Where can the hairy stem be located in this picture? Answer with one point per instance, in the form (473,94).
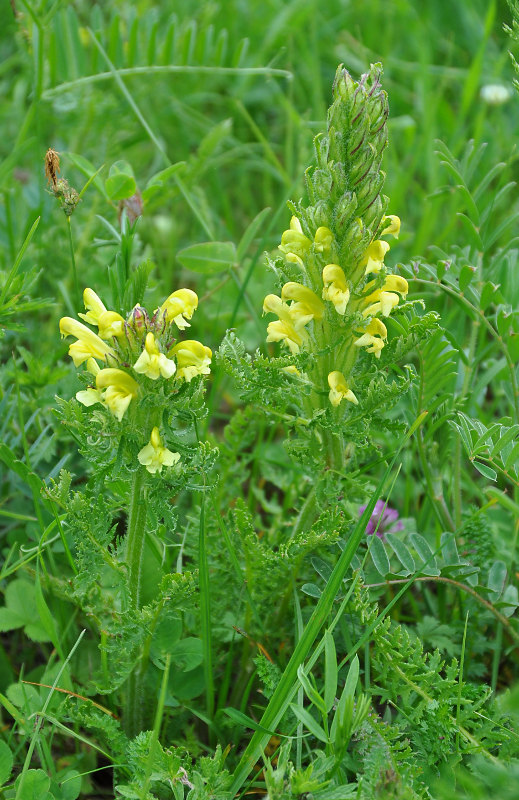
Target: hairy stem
(135,710)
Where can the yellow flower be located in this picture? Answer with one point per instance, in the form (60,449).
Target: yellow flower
(88,343)
(395,283)
(289,329)
(335,287)
(193,358)
(339,389)
(373,337)
(291,370)
(373,258)
(152,362)
(179,307)
(154,455)
(381,301)
(90,396)
(110,324)
(393,227)
(294,242)
(120,389)
(385,299)
(94,306)
(307,305)
(284,330)
(323,239)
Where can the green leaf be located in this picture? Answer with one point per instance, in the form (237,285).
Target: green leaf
(466,275)
(379,555)
(401,551)
(428,567)
(250,233)
(309,722)
(120,187)
(312,693)
(21,610)
(507,436)
(70,785)
(35,784)
(450,553)
(187,654)
(471,232)
(330,671)
(345,706)
(496,579)
(208,257)
(6,763)
(242,719)
(485,470)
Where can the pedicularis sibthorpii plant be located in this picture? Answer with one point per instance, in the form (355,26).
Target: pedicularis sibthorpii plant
(141,375)
(194,581)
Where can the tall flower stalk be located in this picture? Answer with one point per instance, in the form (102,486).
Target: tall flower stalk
(336,291)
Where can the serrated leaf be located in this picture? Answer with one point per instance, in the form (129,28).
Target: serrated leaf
(379,555)
(485,470)
(208,258)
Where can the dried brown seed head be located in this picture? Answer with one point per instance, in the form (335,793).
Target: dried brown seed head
(51,165)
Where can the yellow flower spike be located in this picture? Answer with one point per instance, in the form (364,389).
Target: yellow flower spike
(193,358)
(393,227)
(294,242)
(179,307)
(152,362)
(335,287)
(339,389)
(323,239)
(94,306)
(110,324)
(88,345)
(284,330)
(306,305)
(373,258)
(154,455)
(120,389)
(373,337)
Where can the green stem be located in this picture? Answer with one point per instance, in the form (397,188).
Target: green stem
(134,715)
(77,296)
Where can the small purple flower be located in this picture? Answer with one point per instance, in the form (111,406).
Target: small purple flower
(383,520)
